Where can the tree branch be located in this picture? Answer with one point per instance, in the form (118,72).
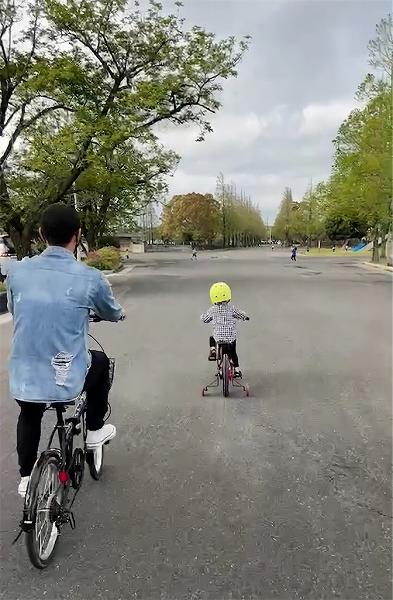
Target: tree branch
(11,116)
(111,54)
(4,53)
(85,42)
(23,125)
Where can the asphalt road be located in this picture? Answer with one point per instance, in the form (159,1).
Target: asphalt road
(286,494)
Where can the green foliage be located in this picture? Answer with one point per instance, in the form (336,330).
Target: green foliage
(87,107)
(191,217)
(286,225)
(344,227)
(357,198)
(241,221)
(362,171)
(105,259)
(108,240)
(2,287)
(381,48)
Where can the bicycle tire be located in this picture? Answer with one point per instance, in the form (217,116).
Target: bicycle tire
(95,466)
(225,375)
(50,499)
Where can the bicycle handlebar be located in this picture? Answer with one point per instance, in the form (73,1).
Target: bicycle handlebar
(93,318)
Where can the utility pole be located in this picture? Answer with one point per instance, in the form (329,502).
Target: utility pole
(309,241)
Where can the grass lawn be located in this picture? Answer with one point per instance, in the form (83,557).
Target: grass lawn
(338,252)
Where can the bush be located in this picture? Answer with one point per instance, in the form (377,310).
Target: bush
(104,259)
(108,240)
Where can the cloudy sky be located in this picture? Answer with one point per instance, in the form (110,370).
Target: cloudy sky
(295,86)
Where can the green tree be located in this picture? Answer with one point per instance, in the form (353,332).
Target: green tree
(241,221)
(284,227)
(122,71)
(362,171)
(381,48)
(28,94)
(308,218)
(191,217)
(118,180)
(361,183)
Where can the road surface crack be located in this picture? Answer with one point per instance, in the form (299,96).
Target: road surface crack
(373,509)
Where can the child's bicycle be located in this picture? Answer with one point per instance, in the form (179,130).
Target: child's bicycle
(57,477)
(225,374)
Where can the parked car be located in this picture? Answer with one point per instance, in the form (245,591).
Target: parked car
(6,247)
(7,253)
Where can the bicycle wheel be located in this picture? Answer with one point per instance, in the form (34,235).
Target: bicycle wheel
(95,461)
(43,501)
(225,375)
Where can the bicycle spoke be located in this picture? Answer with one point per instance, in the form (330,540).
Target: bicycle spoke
(44,528)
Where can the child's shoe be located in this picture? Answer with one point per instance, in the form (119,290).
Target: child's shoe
(212,354)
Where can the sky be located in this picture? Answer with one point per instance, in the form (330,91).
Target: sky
(296,84)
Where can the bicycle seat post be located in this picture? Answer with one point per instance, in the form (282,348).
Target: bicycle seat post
(59,413)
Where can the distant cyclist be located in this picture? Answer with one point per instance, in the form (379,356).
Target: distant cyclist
(223,315)
(49,297)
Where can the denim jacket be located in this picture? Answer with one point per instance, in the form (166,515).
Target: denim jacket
(50,297)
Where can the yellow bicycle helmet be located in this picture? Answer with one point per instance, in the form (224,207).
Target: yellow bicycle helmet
(220,292)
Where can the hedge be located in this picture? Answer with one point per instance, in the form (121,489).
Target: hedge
(105,259)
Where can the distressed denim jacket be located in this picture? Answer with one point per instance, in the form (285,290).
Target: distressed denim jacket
(50,297)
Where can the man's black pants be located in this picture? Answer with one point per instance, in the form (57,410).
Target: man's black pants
(29,422)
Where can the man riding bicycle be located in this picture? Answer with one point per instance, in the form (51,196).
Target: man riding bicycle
(50,297)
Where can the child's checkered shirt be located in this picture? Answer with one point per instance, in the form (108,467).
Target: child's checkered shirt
(223,317)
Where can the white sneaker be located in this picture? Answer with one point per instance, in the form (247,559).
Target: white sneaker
(22,487)
(99,437)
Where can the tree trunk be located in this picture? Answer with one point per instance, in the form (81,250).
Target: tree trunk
(91,236)
(20,235)
(375,257)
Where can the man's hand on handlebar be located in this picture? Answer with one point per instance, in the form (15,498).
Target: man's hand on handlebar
(93,318)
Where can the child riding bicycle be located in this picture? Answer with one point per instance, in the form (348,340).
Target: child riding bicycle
(223,316)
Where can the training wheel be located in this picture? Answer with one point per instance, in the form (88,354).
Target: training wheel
(203,391)
(247,389)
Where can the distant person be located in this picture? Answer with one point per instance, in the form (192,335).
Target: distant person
(194,254)
(346,247)
(272,247)
(223,316)
(334,248)
(293,253)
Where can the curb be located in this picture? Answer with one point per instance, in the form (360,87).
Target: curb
(121,272)
(5,318)
(379,266)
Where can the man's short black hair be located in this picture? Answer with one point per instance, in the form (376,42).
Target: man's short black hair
(59,223)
